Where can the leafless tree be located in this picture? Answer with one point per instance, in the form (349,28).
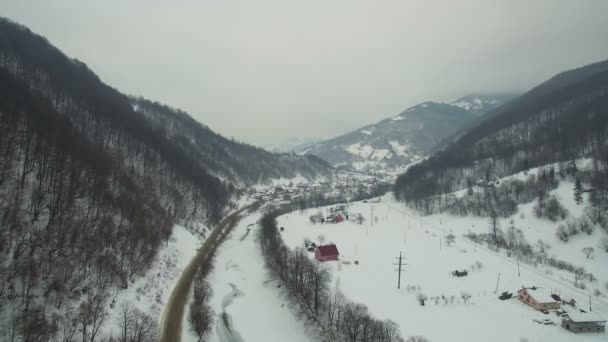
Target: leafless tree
(588,251)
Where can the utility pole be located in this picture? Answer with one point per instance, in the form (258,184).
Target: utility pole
(518,273)
(399,269)
(497,282)
(372,208)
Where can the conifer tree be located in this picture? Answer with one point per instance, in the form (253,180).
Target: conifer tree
(578,191)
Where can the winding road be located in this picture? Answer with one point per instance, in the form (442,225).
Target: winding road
(173,313)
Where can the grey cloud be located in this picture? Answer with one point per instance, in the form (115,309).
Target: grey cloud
(263,71)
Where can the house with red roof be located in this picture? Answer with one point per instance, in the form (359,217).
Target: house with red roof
(326,253)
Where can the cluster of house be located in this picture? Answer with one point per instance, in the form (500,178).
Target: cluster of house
(337,214)
(341,182)
(574,320)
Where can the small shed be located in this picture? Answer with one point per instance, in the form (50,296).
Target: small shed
(458,273)
(327,253)
(537,298)
(583,322)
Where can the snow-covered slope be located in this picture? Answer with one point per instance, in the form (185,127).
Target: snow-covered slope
(404,138)
(446,316)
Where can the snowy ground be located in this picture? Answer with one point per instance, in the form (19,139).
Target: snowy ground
(429,264)
(150,293)
(254,307)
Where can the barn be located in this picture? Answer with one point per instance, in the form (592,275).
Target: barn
(326,253)
(537,298)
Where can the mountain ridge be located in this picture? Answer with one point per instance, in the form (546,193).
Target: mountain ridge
(403,138)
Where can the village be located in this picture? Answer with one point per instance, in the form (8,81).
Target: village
(424,275)
(344,183)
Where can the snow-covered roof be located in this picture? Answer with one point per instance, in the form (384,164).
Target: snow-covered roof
(541,295)
(578,316)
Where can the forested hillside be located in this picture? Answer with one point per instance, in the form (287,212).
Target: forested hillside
(561,120)
(90,188)
(240,163)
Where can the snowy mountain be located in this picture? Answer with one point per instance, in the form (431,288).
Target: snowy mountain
(561,119)
(480,104)
(291,145)
(404,138)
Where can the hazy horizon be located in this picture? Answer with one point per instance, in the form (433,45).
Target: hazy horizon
(270,71)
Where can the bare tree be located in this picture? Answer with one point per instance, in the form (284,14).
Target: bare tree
(450,239)
(124,320)
(465,296)
(588,251)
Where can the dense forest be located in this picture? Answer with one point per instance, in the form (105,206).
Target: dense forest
(560,121)
(90,189)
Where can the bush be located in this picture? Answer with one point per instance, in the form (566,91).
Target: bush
(573,227)
(549,207)
(421,299)
(584,225)
(562,233)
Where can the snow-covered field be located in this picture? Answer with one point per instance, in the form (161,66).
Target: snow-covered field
(252,302)
(430,262)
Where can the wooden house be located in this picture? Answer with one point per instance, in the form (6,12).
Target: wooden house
(326,253)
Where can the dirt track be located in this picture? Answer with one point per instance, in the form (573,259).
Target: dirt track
(173,313)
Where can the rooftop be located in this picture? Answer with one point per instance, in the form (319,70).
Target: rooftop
(541,295)
(577,316)
(328,250)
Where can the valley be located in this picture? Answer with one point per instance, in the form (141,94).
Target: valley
(125,218)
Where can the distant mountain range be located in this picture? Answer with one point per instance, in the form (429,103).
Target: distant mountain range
(406,137)
(559,121)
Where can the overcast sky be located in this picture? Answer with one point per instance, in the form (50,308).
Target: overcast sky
(265,71)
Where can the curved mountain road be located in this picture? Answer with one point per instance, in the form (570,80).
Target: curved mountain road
(173,313)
